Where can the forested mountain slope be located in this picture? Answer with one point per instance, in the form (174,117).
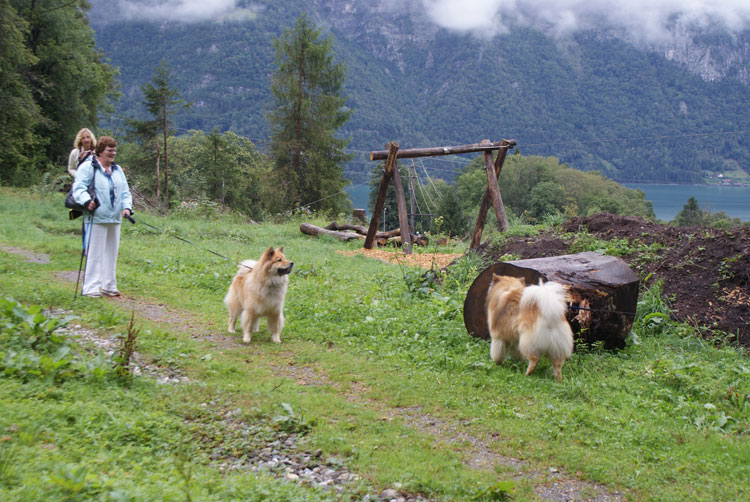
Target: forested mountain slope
(592,99)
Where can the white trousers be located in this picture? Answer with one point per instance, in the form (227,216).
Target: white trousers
(101,258)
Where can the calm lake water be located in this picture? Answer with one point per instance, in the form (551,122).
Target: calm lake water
(667,199)
(360,197)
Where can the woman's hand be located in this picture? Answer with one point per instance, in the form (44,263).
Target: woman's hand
(91,205)
(126,213)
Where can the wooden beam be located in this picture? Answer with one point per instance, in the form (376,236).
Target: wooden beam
(476,237)
(403,214)
(444,150)
(382,191)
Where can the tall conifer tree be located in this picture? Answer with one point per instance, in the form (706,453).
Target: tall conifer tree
(162,101)
(308,111)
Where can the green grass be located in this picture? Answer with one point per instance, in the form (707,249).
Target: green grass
(369,350)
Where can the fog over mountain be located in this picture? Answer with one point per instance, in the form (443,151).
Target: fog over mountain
(646,20)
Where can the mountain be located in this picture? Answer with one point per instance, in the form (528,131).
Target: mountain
(672,110)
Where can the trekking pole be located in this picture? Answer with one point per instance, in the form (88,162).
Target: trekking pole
(84,253)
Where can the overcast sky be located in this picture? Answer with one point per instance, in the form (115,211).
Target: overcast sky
(642,19)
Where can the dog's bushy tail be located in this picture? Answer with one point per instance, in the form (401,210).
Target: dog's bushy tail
(548,298)
(542,311)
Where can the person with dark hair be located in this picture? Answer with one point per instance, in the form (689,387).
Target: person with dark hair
(83,146)
(112,202)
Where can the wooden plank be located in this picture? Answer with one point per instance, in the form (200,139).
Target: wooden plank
(382,191)
(443,150)
(604,291)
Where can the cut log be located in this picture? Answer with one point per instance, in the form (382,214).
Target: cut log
(360,229)
(363,230)
(309,229)
(604,293)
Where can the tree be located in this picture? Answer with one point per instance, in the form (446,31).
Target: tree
(220,167)
(53,81)
(308,111)
(19,113)
(690,214)
(161,101)
(454,219)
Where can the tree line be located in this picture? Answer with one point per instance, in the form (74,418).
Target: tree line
(54,82)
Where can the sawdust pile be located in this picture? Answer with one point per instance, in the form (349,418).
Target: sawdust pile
(423,260)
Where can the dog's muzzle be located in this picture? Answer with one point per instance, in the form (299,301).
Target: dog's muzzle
(286,270)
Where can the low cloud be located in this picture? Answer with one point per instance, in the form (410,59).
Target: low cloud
(171,10)
(648,20)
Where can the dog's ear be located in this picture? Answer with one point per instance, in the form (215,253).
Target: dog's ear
(269,253)
(281,249)
(523,280)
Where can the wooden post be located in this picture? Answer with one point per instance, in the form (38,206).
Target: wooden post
(412,196)
(382,191)
(487,197)
(403,215)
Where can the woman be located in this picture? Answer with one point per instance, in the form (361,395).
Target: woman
(84,143)
(112,202)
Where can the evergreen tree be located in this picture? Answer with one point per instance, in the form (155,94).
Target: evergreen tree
(455,222)
(308,111)
(19,114)
(161,101)
(690,214)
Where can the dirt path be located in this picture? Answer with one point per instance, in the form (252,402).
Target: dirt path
(553,484)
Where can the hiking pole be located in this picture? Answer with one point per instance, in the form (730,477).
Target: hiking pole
(84,252)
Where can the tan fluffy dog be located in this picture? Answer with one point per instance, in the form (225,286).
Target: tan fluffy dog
(258,290)
(530,321)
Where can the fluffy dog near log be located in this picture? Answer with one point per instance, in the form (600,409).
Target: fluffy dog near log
(258,290)
(530,321)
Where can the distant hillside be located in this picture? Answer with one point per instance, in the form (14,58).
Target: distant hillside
(595,101)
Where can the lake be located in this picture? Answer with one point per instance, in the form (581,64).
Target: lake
(360,197)
(668,200)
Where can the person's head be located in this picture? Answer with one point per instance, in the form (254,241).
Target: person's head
(105,142)
(85,140)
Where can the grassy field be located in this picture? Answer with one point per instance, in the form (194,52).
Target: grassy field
(375,370)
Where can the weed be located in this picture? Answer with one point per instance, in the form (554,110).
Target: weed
(184,469)
(124,354)
(8,454)
(502,490)
(291,422)
(71,480)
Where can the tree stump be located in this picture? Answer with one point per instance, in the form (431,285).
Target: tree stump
(604,291)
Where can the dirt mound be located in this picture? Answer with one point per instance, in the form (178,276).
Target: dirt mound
(705,271)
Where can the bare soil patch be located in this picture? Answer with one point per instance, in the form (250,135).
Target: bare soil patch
(29,255)
(705,271)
